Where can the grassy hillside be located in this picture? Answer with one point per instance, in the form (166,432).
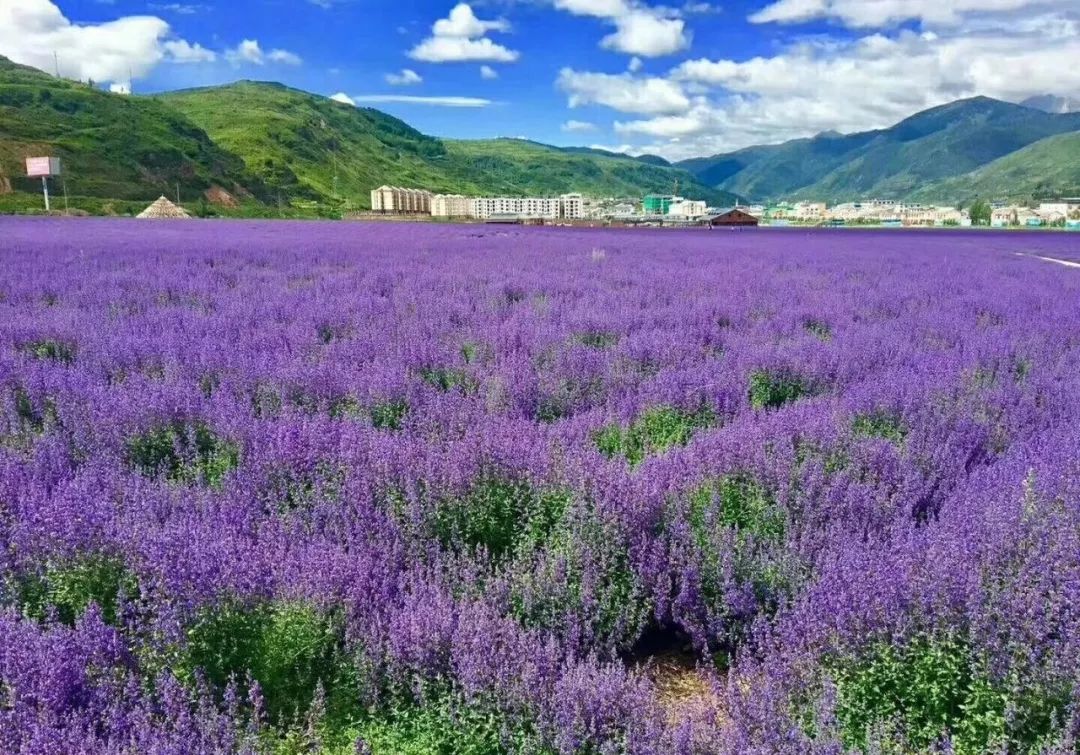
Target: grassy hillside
(1049,167)
(122,148)
(939,143)
(298,142)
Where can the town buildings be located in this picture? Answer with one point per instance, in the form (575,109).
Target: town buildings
(394,199)
(451,206)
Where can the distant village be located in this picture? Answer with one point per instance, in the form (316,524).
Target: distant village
(671,210)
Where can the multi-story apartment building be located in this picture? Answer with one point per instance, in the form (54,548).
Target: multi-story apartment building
(687,208)
(398,200)
(451,206)
(568,206)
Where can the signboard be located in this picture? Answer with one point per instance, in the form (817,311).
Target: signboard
(42,167)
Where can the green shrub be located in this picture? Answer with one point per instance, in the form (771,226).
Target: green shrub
(289,648)
(183,452)
(499,515)
(441,725)
(818,328)
(772,390)
(384,415)
(880,424)
(71,585)
(289,490)
(597,339)
(446,378)
(655,432)
(934,687)
(51,349)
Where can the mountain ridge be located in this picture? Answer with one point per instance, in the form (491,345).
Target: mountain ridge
(893,163)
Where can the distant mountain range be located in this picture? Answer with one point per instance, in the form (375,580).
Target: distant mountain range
(933,155)
(1051,103)
(258,147)
(260,144)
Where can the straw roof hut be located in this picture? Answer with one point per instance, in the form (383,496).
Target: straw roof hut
(163,209)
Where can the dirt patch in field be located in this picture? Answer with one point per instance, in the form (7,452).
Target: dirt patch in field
(683,689)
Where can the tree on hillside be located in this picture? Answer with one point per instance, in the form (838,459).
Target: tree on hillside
(980,212)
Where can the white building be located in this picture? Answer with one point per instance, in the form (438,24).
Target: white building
(398,200)
(806,212)
(687,208)
(568,206)
(451,206)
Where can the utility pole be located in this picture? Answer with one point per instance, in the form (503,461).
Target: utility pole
(177,192)
(56,61)
(45,191)
(63,182)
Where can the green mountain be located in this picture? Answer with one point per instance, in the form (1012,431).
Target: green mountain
(111,146)
(311,147)
(1048,168)
(893,163)
(267,146)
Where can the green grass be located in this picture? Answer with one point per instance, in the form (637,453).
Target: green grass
(184,453)
(70,585)
(655,432)
(935,686)
(771,390)
(880,424)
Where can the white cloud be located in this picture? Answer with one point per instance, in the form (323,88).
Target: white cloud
(462,22)
(460,37)
(578,127)
(407,77)
(623,92)
(181,51)
(130,46)
(382,99)
(120,88)
(634,65)
(870,82)
(878,13)
(639,29)
(249,51)
(343,99)
(647,34)
(488,73)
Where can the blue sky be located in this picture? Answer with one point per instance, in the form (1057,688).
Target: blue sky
(633,75)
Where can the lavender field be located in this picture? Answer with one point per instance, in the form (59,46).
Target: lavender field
(341,488)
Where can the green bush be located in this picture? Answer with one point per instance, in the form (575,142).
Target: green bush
(184,453)
(818,328)
(441,725)
(52,350)
(289,648)
(446,378)
(933,688)
(500,515)
(772,390)
(71,585)
(597,339)
(655,432)
(880,424)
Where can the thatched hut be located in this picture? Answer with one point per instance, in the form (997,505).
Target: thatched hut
(163,209)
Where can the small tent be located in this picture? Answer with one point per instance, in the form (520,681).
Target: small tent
(163,209)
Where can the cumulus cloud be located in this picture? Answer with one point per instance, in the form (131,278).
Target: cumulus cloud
(488,73)
(131,46)
(639,29)
(869,82)
(384,99)
(120,88)
(343,99)
(878,13)
(250,51)
(461,37)
(623,92)
(182,51)
(407,77)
